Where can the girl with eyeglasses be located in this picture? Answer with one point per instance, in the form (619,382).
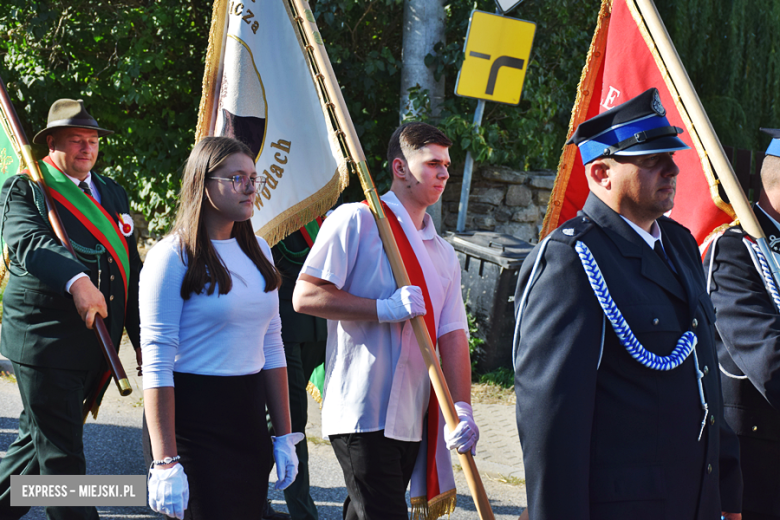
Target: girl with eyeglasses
(212,348)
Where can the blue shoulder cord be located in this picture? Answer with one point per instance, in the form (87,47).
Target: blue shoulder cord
(684,347)
(682,350)
(40,204)
(766,274)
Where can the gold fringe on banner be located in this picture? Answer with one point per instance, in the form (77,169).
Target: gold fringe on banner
(314,206)
(579,113)
(706,165)
(212,70)
(715,232)
(314,392)
(441,505)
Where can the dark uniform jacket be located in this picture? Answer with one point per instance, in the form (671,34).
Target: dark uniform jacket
(749,353)
(603,436)
(289,255)
(40,324)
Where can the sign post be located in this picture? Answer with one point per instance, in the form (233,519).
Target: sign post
(497,52)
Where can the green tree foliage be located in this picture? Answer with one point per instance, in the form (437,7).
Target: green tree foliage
(137,64)
(364,42)
(731,49)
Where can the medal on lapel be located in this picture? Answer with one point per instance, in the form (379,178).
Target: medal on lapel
(125,224)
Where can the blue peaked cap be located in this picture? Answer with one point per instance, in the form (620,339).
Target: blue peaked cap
(636,127)
(774,144)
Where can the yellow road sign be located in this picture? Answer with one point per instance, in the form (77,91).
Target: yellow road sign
(497,53)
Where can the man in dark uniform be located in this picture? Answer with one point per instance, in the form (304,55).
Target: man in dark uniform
(607,433)
(748,344)
(52,299)
(305,338)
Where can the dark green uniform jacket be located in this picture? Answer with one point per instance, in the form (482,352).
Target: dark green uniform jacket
(40,324)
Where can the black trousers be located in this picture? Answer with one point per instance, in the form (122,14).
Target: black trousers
(302,359)
(377,471)
(223,441)
(749,515)
(50,434)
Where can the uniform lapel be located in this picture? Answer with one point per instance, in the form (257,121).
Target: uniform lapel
(676,250)
(631,245)
(106,200)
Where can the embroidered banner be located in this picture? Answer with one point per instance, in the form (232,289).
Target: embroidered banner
(622,63)
(258,88)
(10,163)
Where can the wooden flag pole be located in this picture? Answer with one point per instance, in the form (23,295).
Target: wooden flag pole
(710,142)
(348,136)
(25,152)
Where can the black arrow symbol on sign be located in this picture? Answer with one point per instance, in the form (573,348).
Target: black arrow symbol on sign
(501,61)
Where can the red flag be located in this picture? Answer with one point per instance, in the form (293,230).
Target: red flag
(623,62)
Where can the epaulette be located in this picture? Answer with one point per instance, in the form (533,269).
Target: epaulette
(666,220)
(573,230)
(736,229)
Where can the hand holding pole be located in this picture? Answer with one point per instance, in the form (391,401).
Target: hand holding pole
(25,152)
(333,99)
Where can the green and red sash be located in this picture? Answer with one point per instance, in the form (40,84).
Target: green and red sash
(310,230)
(90,213)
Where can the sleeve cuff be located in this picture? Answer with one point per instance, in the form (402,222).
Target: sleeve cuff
(70,282)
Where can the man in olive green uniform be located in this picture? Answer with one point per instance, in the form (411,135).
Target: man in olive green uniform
(53,297)
(305,338)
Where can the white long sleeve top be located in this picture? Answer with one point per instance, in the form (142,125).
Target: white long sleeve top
(238,333)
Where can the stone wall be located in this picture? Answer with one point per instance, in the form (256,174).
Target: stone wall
(501,200)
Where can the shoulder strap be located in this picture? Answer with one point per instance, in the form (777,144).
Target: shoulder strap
(91,215)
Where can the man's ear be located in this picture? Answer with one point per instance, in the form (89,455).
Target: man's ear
(50,142)
(399,169)
(598,172)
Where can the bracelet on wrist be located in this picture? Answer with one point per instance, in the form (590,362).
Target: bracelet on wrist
(166,460)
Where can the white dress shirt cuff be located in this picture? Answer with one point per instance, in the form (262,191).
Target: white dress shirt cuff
(70,282)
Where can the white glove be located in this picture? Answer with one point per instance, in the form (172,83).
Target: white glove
(286,459)
(405,303)
(169,491)
(466,434)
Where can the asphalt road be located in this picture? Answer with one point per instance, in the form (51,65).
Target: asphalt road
(113,447)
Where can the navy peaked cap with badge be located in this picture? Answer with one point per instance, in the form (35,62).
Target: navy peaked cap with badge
(774,144)
(636,127)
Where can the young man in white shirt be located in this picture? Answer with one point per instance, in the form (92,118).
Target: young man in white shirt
(376,387)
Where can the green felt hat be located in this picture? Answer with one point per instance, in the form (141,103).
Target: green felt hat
(69,113)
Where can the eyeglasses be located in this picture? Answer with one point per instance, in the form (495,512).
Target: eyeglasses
(240,182)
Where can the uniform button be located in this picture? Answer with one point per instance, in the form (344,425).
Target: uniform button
(709,468)
(111,298)
(706,368)
(695,323)
(656,321)
(755,428)
(111,261)
(712,420)
(112,279)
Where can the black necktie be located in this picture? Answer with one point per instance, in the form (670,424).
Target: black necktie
(85,188)
(659,250)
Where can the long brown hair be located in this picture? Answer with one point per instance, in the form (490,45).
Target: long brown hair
(204,264)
